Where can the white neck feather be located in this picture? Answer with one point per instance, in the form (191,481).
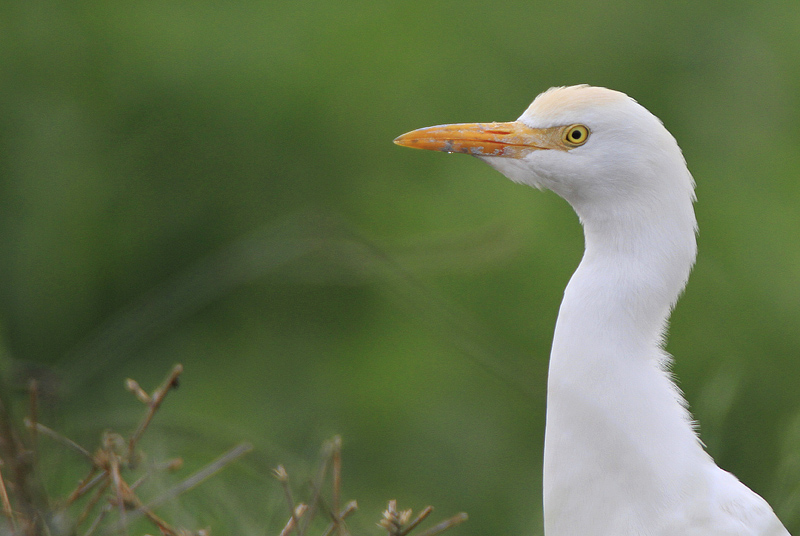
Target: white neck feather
(619,443)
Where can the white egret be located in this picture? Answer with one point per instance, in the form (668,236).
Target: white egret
(621,455)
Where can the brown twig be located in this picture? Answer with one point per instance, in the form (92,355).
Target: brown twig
(84,486)
(165,528)
(197,478)
(93,500)
(97,520)
(106,481)
(120,488)
(444,525)
(170,465)
(316,486)
(134,387)
(349,508)
(33,390)
(336,455)
(67,442)
(283,477)
(14,453)
(7,510)
(170,382)
(417,520)
(297,513)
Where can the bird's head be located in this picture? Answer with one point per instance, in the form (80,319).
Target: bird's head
(595,147)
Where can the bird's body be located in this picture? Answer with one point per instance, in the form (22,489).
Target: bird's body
(621,453)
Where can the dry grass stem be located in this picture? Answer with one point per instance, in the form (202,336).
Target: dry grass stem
(168,466)
(33,415)
(106,501)
(52,434)
(153,402)
(203,474)
(110,502)
(396,522)
(98,520)
(134,387)
(90,505)
(85,485)
(444,525)
(337,472)
(349,508)
(316,487)
(120,490)
(7,510)
(297,513)
(417,520)
(283,477)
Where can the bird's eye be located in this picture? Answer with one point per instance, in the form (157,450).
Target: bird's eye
(575,135)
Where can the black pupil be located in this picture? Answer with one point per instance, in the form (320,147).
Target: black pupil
(576,135)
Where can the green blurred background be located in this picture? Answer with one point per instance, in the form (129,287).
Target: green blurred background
(214,183)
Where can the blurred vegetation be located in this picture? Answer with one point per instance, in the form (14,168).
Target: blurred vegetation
(214,183)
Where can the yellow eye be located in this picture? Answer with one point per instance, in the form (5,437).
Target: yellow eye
(575,135)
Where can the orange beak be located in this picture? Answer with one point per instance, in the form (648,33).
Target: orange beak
(512,140)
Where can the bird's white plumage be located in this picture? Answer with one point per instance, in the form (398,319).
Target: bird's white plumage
(621,453)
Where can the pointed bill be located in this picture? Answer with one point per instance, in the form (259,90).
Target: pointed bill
(512,140)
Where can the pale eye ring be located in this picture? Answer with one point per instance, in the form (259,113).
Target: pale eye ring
(575,135)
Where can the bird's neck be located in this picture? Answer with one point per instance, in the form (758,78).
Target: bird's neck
(616,424)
